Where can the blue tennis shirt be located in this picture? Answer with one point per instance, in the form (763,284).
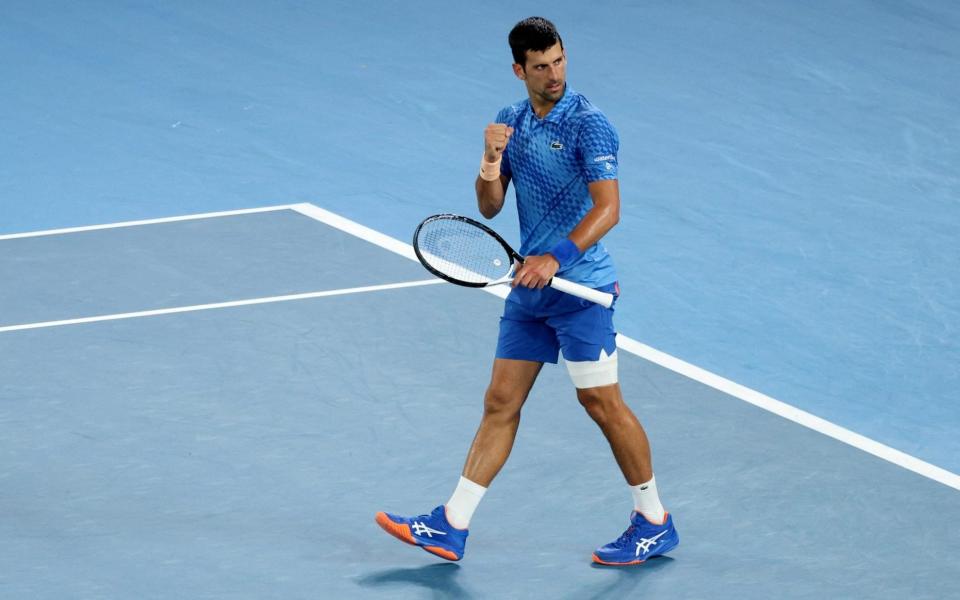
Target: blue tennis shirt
(551,161)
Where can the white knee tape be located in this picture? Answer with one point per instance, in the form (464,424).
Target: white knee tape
(593,373)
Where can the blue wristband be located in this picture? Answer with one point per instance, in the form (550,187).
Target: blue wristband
(565,252)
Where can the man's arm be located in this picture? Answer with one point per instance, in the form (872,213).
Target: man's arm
(492,189)
(604,215)
(601,218)
(491,194)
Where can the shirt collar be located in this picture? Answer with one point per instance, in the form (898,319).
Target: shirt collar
(559,109)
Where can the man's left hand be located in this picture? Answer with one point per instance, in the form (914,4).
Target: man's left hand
(536,271)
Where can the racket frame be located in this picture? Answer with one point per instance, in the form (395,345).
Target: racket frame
(575,289)
(511,253)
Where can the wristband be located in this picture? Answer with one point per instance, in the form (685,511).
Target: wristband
(565,252)
(490,171)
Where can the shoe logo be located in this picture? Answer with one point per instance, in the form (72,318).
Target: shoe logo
(419,529)
(646,543)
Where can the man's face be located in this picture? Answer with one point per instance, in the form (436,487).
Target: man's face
(544,73)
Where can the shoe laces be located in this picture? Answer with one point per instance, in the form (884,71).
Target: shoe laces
(625,537)
(434,514)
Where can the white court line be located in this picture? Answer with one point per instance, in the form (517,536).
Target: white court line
(657,357)
(676,365)
(215,305)
(789,412)
(211,215)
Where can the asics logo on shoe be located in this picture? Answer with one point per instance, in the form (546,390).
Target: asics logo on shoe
(419,529)
(646,543)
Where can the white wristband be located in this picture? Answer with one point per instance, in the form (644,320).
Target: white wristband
(490,171)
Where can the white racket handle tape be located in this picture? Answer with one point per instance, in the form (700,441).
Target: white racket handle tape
(574,289)
(581,291)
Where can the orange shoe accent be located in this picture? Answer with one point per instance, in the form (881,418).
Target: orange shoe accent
(401,532)
(441,552)
(613,564)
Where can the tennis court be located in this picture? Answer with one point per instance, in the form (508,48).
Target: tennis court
(218,358)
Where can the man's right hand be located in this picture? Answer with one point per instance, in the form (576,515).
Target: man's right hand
(495,138)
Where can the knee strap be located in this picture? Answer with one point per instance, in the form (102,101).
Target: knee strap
(593,373)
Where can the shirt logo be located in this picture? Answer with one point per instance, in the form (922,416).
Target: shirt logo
(556,145)
(604,157)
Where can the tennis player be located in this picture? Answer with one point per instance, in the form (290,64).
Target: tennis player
(560,152)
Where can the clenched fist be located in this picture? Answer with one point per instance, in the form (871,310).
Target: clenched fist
(495,138)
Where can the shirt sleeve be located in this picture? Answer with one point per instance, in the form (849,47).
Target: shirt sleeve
(599,144)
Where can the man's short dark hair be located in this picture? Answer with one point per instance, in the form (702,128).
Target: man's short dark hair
(533,33)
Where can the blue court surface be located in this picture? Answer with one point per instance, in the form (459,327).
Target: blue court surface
(218,359)
(241,451)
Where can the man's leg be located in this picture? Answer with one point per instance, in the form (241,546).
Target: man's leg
(651,532)
(444,531)
(510,384)
(588,341)
(623,431)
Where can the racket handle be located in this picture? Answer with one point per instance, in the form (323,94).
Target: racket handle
(582,291)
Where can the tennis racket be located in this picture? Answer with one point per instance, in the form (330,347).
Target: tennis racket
(465,252)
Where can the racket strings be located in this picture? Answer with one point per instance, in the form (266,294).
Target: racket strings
(463,251)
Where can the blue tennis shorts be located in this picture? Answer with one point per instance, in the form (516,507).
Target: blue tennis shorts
(538,324)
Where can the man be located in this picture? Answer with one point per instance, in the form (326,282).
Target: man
(561,153)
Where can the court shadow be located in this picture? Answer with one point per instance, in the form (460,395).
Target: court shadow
(624,580)
(440,579)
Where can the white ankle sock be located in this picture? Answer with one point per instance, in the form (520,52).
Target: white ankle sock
(646,501)
(464,501)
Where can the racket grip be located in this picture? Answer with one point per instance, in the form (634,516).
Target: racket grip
(582,291)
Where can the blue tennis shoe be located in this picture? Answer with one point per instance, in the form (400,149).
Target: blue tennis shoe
(642,540)
(431,532)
